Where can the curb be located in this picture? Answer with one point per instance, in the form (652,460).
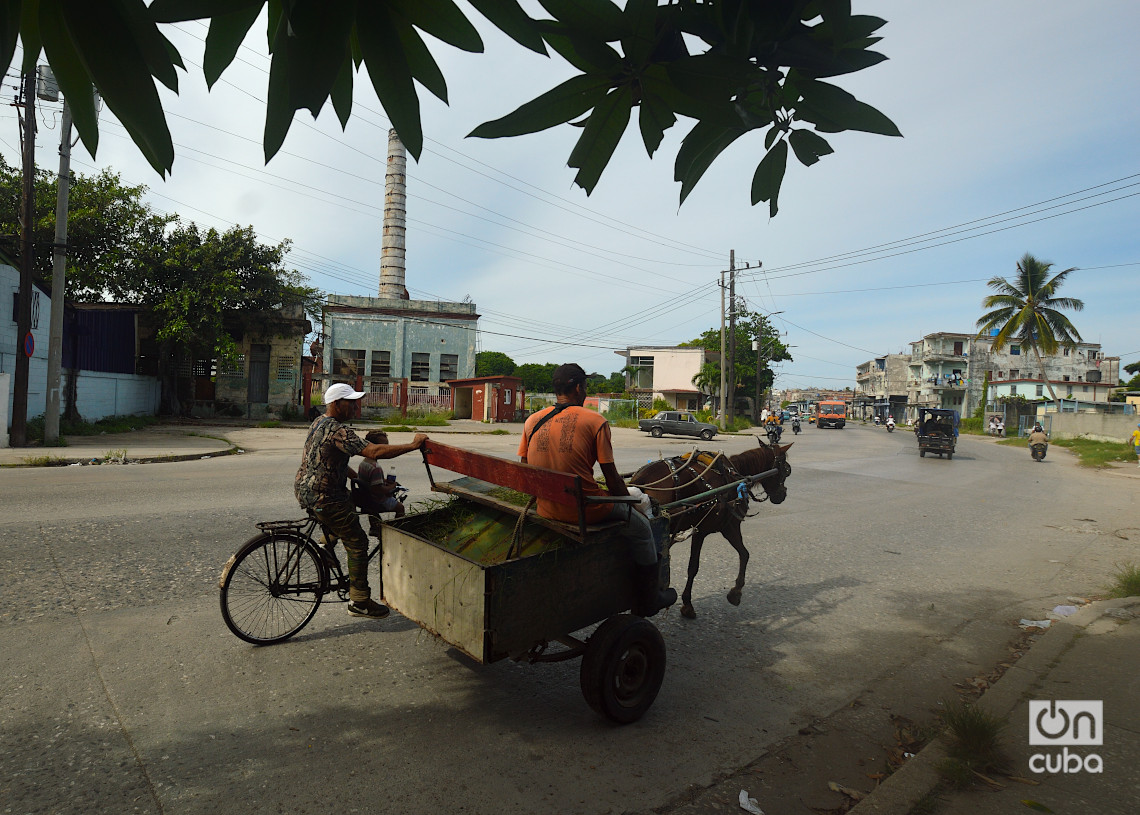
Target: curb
(920,776)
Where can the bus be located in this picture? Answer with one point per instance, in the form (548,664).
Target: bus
(831,414)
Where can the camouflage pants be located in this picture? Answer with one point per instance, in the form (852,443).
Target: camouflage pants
(341,521)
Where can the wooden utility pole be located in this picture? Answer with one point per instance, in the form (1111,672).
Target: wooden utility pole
(19,437)
(723,415)
(731,407)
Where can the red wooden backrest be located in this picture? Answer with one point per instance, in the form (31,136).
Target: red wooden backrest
(550,485)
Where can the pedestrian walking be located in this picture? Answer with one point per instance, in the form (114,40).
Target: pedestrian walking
(1136,444)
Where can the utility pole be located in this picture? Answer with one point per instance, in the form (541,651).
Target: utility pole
(723,422)
(731,414)
(19,436)
(58,280)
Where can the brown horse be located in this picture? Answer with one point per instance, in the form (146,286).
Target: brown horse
(675,479)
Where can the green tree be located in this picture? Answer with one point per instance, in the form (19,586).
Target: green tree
(750,326)
(614,383)
(206,288)
(537,377)
(730,67)
(107,221)
(1027,309)
(493,363)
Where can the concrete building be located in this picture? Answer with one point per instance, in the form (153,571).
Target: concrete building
(949,370)
(881,387)
(666,372)
(400,351)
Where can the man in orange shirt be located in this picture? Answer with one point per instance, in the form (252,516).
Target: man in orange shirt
(571,439)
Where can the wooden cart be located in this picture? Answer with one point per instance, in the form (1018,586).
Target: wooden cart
(495,581)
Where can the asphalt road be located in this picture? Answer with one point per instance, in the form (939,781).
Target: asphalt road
(121,690)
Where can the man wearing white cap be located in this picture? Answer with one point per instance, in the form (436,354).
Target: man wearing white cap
(320,486)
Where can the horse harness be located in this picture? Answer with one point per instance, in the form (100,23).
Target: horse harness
(737,505)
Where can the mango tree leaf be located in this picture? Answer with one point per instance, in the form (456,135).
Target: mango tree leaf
(104,40)
(442,19)
(600,137)
(769,176)
(69,72)
(278,111)
(178,11)
(586,54)
(389,72)
(808,146)
(597,19)
(422,64)
(341,93)
(508,17)
(698,151)
(654,119)
(313,45)
(156,50)
(841,107)
(30,37)
(227,33)
(9,31)
(567,101)
(640,40)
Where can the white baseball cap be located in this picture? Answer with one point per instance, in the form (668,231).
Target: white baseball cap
(341,391)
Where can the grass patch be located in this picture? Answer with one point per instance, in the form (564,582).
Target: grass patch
(1097,453)
(110,424)
(630,423)
(45,461)
(269,423)
(499,432)
(1125,581)
(423,420)
(973,740)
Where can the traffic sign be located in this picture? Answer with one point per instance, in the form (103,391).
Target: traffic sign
(29,344)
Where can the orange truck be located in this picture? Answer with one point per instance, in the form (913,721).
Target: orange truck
(831,414)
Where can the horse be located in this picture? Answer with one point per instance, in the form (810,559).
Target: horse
(682,477)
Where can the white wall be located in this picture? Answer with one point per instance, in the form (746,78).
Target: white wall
(1097,426)
(99,395)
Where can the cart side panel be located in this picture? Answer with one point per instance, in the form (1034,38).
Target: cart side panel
(545,596)
(438,589)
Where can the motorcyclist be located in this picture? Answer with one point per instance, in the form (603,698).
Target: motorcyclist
(890,423)
(1038,436)
(795,423)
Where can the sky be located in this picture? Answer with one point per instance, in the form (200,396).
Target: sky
(1020,131)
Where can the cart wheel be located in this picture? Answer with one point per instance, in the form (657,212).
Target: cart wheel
(623,668)
(656,432)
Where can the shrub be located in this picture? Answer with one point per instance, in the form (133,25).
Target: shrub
(1126,581)
(661,404)
(971,425)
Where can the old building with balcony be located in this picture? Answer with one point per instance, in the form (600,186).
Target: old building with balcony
(881,387)
(666,372)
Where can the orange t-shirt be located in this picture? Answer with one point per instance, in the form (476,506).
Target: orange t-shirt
(571,442)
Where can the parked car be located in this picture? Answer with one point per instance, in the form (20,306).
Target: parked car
(676,423)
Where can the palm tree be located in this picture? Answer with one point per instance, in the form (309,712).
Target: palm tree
(1028,310)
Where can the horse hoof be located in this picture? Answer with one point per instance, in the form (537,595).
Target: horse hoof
(688,612)
(734,597)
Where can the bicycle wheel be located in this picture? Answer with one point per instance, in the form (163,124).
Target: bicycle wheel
(272,588)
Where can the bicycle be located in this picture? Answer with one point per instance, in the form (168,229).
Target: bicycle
(274,584)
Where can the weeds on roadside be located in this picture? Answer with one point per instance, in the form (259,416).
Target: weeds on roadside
(1126,581)
(270,423)
(973,737)
(45,461)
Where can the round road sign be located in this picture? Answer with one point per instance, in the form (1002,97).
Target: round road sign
(29,344)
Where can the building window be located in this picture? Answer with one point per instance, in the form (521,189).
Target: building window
(1066,378)
(234,366)
(35,311)
(379,387)
(1014,373)
(1092,354)
(286,369)
(1001,374)
(205,367)
(448,366)
(348,362)
(1040,390)
(421,367)
(1014,350)
(1069,391)
(1066,352)
(641,372)
(381,363)
(506,396)
(1013,390)
(1084,388)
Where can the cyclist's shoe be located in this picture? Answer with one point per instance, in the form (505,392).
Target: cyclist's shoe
(367,608)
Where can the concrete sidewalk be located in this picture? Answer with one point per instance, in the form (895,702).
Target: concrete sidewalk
(1094,655)
(177,442)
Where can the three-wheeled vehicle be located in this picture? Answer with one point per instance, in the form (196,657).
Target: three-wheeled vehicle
(937,431)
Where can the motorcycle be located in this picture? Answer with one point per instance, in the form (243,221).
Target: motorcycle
(890,425)
(774,432)
(876,421)
(796,427)
(1038,451)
